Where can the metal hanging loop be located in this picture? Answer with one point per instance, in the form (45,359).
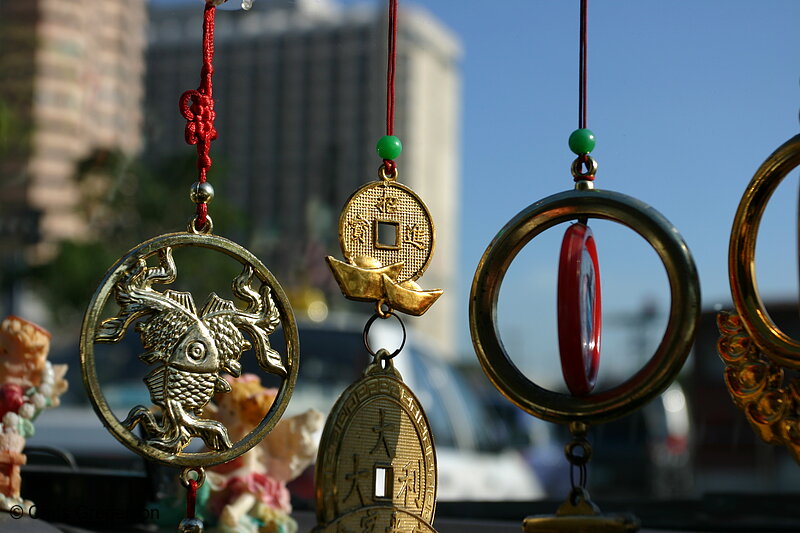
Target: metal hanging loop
(207,228)
(200,475)
(386,175)
(591,168)
(366,336)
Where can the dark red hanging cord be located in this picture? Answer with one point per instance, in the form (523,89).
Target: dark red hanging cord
(200,113)
(191,498)
(390,77)
(582,68)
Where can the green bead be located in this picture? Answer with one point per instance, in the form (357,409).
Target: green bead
(581,141)
(389,147)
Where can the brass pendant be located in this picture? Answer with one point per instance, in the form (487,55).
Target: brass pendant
(755,351)
(387,235)
(376,469)
(578,513)
(654,377)
(188,348)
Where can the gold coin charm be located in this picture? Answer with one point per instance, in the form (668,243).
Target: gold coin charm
(387,236)
(387,221)
(188,348)
(376,469)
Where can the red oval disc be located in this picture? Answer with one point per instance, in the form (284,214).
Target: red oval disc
(579,309)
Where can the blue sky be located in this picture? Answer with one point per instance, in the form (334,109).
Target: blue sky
(686,99)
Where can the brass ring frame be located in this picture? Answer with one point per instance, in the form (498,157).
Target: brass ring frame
(671,353)
(185,476)
(779,347)
(94,315)
(365,335)
(207,229)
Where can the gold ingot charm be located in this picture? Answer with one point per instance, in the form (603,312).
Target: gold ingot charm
(387,236)
(188,348)
(376,468)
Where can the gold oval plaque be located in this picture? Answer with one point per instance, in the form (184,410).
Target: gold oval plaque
(377,463)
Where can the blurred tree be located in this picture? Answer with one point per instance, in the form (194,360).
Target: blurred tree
(124,202)
(13,134)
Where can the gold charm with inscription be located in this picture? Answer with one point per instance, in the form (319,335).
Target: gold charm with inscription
(376,465)
(387,236)
(376,469)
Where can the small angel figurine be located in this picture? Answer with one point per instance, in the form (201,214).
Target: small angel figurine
(249,494)
(28,384)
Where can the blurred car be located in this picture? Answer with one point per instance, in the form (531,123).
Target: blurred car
(474,463)
(644,454)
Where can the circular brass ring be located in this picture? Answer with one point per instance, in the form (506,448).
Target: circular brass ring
(94,316)
(383,309)
(591,167)
(778,346)
(207,228)
(578,459)
(671,353)
(201,476)
(368,325)
(390,176)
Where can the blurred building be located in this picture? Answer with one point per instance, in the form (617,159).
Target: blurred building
(70,83)
(728,455)
(300,92)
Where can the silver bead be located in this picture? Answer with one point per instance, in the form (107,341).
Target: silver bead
(201,193)
(190,525)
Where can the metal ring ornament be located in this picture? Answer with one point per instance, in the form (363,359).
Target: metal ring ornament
(207,228)
(777,345)
(372,319)
(574,458)
(388,176)
(95,313)
(591,167)
(671,353)
(201,476)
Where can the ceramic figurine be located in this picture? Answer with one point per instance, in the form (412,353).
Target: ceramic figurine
(28,385)
(249,494)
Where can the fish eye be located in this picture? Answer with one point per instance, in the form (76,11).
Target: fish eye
(196,350)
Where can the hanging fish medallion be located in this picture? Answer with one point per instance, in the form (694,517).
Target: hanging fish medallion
(188,348)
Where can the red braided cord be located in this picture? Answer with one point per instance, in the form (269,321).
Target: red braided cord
(200,113)
(191,498)
(390,69)
(389,164)
(582,69)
